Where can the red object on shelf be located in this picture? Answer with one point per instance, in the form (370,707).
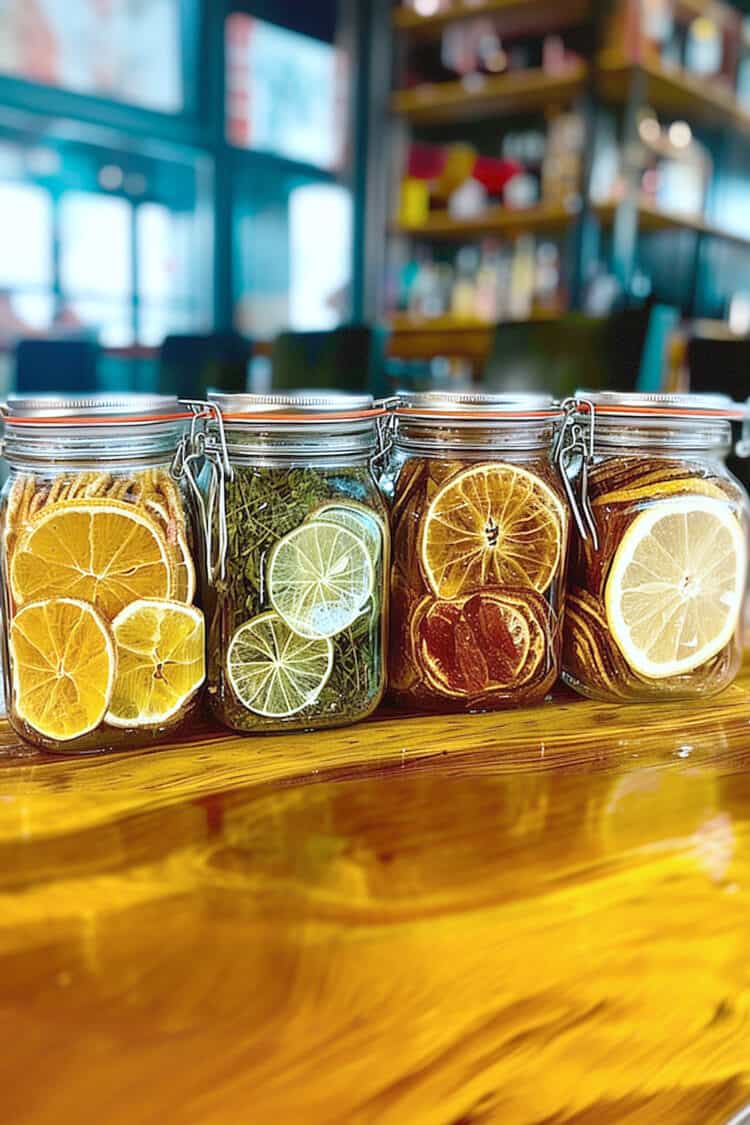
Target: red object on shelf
(493,174)
(426,162)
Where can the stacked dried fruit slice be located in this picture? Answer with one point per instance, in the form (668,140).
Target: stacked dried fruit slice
(118,575)
(489,539)
(320,578)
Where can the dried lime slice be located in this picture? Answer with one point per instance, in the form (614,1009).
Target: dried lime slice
(320,578)
(273,671)
(358,519)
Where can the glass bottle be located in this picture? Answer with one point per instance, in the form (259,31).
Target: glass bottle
(658,567)
(296,547)
(103,645)
(480,532)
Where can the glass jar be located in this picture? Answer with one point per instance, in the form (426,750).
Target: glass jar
(480,532)
(657,575)
(103,646)
(296,554)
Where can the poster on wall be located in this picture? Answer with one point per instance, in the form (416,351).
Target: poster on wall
(126,50)
(286,93)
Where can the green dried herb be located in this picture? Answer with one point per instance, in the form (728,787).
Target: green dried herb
(264,504)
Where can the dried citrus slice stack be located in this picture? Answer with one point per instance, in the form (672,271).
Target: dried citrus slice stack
(492,641)
(320,578)
(176,536)
(273,671)
(676,585)
(104,552)
(160,662)
(63,660)
(492,525)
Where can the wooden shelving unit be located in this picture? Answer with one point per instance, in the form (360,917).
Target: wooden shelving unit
(422,338)
(500,221)
(445,102)
(652,218)
(671,91)
(625,73)
(512,16)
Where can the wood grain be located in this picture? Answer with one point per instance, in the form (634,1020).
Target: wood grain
(529,918)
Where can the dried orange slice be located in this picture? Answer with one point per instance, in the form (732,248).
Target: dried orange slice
(102,551)
(493,641)
(63,661)
(492,525)
(160,662)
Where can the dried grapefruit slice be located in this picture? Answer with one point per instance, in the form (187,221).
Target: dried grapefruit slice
(492,525)
(494,641)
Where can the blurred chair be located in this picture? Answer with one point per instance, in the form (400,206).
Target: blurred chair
(719,366)
(347,358)
(722,366)
(58,366)
(570,351)
(189,366)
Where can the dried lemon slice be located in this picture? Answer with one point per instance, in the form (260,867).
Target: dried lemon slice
(273,671)
(492,525)
(320,578)
(160,662)
(675,589)
(63,661)
(102,551)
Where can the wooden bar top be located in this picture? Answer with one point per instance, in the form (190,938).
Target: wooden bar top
(538,917)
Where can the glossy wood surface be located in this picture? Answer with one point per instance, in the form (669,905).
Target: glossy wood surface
(530,918)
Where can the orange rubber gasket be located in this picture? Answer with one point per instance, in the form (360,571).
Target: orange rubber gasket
(671,411)
(99,420)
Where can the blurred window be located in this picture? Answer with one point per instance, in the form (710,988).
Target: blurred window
(320,256)
(286,93)
(167,273)
(26,264)
(292,254)
(127,50)
(96,270)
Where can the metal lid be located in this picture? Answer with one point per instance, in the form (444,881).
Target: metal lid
(297,406)
(101,427)
(467,405)
(639,405)
(112,409)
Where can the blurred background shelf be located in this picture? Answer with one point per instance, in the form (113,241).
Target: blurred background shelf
(412,337)
(670,90)
(652,218)
(502,95)
(511,16)
(501,221)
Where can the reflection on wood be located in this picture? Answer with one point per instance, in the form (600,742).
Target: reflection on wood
(531,917)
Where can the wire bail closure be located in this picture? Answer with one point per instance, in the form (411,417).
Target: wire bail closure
(195,450)
(385,427)
(573,453)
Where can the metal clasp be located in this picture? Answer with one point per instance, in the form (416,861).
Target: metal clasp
(196,449)
(573,453)
(385,427)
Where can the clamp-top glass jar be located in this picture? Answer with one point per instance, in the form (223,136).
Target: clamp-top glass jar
(656,588)
(480,530)
(103,647)
(296,555)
